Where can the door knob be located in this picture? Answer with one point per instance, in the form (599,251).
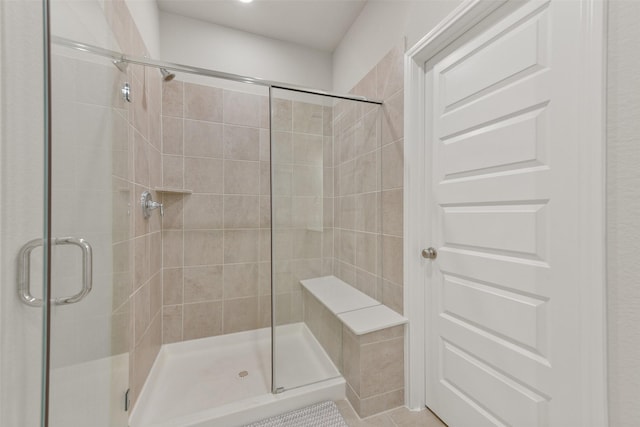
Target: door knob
(429,253)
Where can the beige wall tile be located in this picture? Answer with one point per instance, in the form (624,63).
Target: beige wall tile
(141,260)
(202,102)
(203,175)
(241,211)
(307,244)
(265,145)
(141,159)
(353,398)
(171,324)
(241,280)
(172,286)
(366,248)
(282,119)
(367,212)
(327,121)
(172,248)
(145,354)
(367,283)
(307,180)
(173,210)
(390,73)
(346,246)
(325,326)
(308,149)
(172,171)
(265,245)
(382,335)
(172,137)
(240,314)
(203,283)
(265,211)
(141,311)
(203,139)
(240,246)
(242,108)
(307,118)
(351,359)
(241,177)
(393,118)
(155,287)
(241,143)
(346,179)
(139,108)
(203,247)
(203,211)
(172,98)
(393,165)
(155,168)
(264,112)
(392,208)
(327,156)
(203,319)
(282,180)
(264,309)
(382,367)
(367,173)
(155,253)
(392,259)
(265,178)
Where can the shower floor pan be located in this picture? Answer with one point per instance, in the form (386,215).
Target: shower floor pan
(226,380)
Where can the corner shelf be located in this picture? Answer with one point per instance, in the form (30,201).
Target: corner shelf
(173,190)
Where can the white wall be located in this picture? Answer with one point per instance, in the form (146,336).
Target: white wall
(193,42)
(382,25)
(146,15)
(623,211)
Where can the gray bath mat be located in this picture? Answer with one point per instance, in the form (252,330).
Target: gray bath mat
(323,414)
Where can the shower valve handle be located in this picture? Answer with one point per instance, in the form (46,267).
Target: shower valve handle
(148,205)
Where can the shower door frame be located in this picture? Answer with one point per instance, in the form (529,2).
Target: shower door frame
(472,14)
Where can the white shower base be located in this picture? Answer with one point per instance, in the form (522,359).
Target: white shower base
(197,383)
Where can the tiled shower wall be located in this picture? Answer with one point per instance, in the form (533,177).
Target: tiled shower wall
(369,174)
(137,247)
(302,197)
(369,168)
(216,240)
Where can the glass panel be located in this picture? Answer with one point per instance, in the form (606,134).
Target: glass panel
(23,209)
(308,155)
(92,234)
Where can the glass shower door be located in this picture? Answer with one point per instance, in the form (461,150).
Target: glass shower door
(92,202)
(305,350)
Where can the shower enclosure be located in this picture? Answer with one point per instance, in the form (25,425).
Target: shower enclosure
(155,232)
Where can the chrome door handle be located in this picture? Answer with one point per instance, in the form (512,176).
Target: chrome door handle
(24,280)
(429,253)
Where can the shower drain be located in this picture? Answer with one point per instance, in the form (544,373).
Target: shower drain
(243,374)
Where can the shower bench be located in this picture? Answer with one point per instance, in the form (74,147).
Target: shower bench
(357,311)
(364,338)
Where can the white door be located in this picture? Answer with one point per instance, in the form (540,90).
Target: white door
(504,320)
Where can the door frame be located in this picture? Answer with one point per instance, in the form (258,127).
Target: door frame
(592,156)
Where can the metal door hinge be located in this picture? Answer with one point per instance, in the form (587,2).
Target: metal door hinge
(127,400)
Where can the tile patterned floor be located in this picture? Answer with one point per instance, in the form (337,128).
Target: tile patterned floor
(400,417)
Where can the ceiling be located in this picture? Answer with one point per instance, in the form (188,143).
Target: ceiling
(319,24)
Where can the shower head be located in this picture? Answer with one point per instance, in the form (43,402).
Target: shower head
(167,76)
